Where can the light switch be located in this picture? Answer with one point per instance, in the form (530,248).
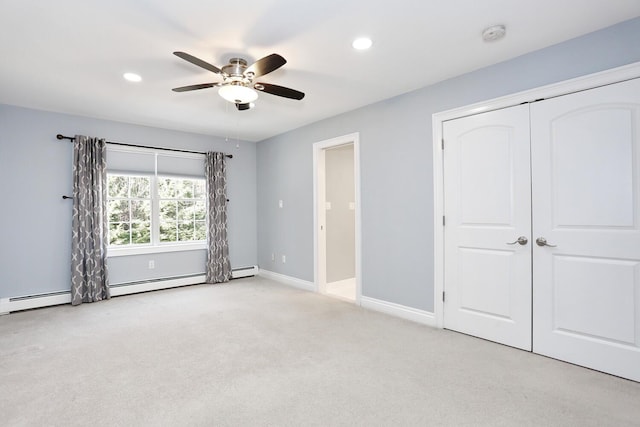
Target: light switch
(352,206)
(328,206)
(280,204)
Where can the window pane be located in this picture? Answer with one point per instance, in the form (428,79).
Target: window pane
(118,185)
(168,232)
(200,210)
(118,210)
(140,210)
(184,189)
(166,188)
(119,234)
(201,230)
(199,189)
(185,211)
(140,187)
(140,232)
(168,210)
(185,231)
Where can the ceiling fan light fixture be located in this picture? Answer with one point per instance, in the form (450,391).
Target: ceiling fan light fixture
(237,84)
(238,94)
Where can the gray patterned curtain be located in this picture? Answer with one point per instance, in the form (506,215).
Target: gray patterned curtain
(218,264)
(89,279)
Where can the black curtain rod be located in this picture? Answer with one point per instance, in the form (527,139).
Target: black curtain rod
(70,138)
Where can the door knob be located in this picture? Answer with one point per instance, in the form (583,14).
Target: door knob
(522,240)
(541,241)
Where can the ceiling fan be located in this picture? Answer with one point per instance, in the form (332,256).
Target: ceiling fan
(237,84)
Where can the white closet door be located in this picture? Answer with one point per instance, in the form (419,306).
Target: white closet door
(487,208)
(586,202)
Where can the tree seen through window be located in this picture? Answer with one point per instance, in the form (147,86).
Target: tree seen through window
(175,211)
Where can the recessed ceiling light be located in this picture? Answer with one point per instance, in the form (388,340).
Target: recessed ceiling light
(362,43)
(132,77)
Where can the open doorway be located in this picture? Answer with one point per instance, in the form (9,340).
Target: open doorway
(337,218)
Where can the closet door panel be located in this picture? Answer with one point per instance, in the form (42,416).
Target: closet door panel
(586,204)
(487,207)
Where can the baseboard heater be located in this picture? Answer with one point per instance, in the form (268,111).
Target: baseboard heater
(8,305)
(240,272)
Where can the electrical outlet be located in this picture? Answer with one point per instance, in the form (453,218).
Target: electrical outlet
(284,259)
(280,203)
(152,265)
(273,257)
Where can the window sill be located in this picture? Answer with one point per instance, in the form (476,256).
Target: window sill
(117,252)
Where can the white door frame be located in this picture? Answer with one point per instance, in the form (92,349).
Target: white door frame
(614,75)
(319,240)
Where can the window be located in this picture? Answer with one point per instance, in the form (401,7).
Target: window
(129,209)
(182,209)
(152,211)
(156,201)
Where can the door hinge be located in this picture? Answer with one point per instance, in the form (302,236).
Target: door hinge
(442,296)
(442,144)
(443,221)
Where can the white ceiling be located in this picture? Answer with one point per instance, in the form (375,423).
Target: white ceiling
(69,55)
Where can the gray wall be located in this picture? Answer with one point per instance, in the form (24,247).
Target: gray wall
(340,219)
(396,166)
(35,171)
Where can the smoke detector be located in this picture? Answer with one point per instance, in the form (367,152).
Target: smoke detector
(494,33)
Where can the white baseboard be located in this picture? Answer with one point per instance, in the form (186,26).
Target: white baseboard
(404,312)
(156,286)
(288,280)
(413,314)
(7,306)
(240,272)
(408,313)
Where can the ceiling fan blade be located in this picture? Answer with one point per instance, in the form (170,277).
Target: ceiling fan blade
(198,62)
(279,91)
(194,87)
(266,65)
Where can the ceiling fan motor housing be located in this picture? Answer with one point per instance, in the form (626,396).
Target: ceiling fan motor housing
(235,68)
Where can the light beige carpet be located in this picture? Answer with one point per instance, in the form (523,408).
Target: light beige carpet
(257,353)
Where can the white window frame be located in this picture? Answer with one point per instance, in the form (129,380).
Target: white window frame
(155,246)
